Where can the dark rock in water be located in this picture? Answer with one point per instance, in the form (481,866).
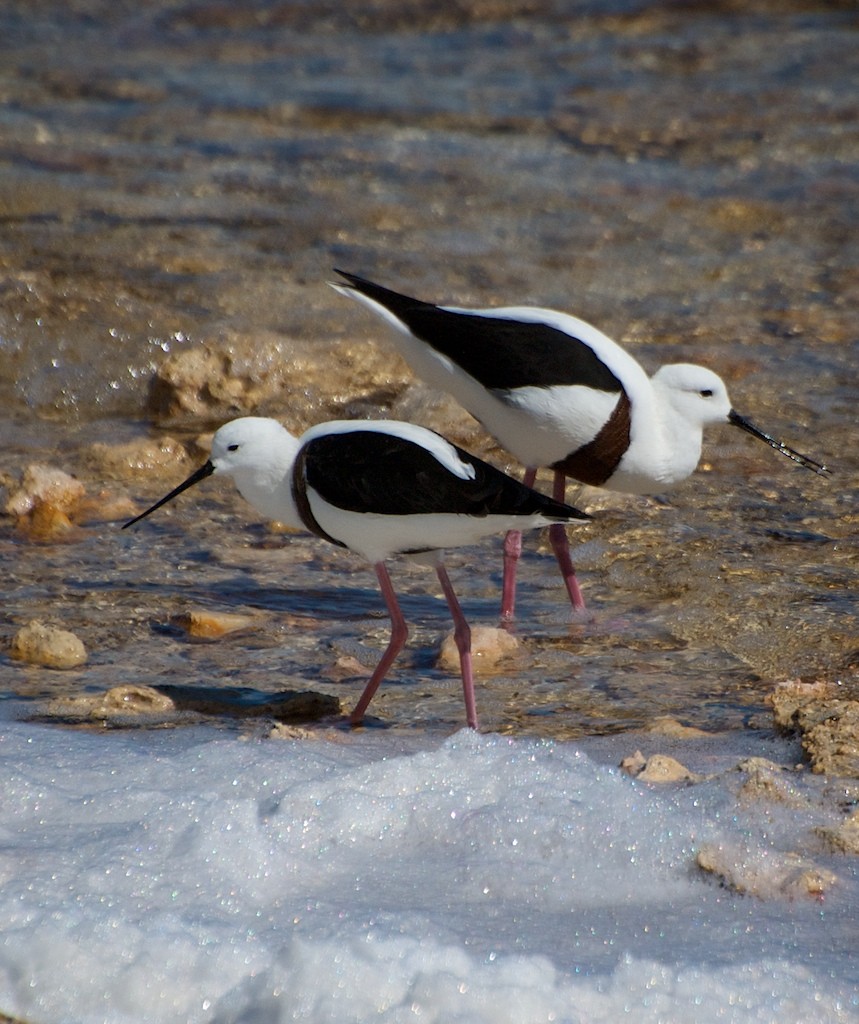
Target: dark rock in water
(243,702)
(130,706)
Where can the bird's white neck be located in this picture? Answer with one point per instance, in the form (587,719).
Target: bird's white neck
(267,483)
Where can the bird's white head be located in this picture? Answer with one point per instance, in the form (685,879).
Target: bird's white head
(253,446)
(693,393)
(258,454)
(698,397)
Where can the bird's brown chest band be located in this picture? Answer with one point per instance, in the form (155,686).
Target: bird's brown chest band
(595,461)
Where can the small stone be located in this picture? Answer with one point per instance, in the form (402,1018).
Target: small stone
(105,507)
(634,764)
(768,781)
(45,485)
(141,456)
(117,704)
(209,625)
(842,838)
(46,522)
(665,725)
(133,699)
(283,731)
(661,768)
(657,768)
(489,647)
(41,644)
(345,667)
(764,873)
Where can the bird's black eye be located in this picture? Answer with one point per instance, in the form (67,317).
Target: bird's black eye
(232,447)
(706,393)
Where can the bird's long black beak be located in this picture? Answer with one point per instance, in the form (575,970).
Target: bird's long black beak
(744,424)
(194,478)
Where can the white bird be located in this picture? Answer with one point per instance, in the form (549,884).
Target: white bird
(380,489)
(556,392)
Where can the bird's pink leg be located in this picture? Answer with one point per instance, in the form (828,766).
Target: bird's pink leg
(561,547)
(512,552)
(399,635)
(462,638)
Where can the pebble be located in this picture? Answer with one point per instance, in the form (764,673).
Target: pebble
(665,725)
(490,646)
(41,644)
(346,666)
(45,485)
(658,768)
(143,455)
(209,625)
(768,781)
(842,838)
(45,502)
(765,874)
(116,705)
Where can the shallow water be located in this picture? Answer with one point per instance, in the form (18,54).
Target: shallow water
(685,177)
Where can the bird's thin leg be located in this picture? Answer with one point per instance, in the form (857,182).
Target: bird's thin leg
(399,635)
(512,552)
(561,547)
(462,639)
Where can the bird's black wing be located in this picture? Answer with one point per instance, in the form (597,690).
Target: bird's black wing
(373,472)
(501,354)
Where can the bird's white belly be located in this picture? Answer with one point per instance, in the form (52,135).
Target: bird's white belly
(378,537)
(541,426)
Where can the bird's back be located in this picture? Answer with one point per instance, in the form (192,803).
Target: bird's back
(387,488)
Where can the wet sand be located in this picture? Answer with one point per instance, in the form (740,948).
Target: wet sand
(182,177)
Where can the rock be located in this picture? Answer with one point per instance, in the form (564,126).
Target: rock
(842,838)
(634,764)
(46,523)
(45,485)
(45,502)
(244,702)
(662,768)
(282,731)
(765,873)
(105,507)
(665,725)
(789,696)
(224,378)
(130,704)
(41,644)
(489,647)
(828,725)
(345,667)
(116,705)
(129,698)
(830,737)
(209,625)
(768,781)
(143,455)
(658,768)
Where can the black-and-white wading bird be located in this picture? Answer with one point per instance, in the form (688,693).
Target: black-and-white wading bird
(556,392)
(379,488)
